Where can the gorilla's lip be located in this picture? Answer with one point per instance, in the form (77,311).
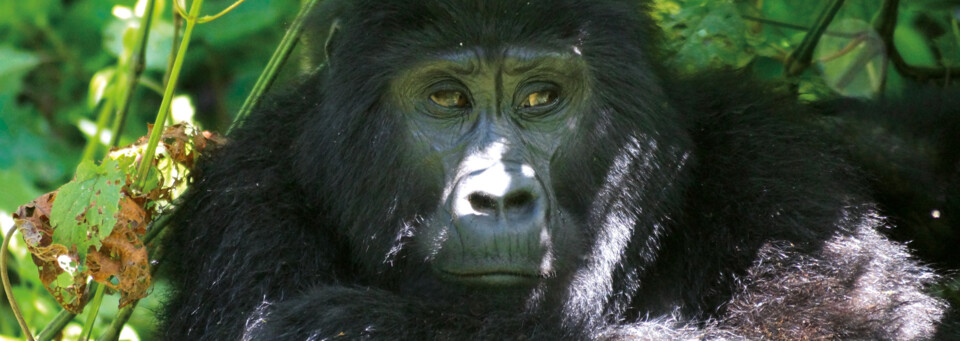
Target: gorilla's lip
(490,277)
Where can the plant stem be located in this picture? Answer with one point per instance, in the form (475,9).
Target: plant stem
(92,312)
(157,131)
(90,150)
(113,332)
(801,57)
(133,70)
(4,255)
(54,327)
(270,73)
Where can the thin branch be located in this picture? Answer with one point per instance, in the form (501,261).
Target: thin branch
(59,322)
(7,288)
(158,124)
(92,311)
(850,47)
(272,69)
(801,58)
(885,27)
(209,18)
(113,332)
(798,27)
(93,144)
(134,69)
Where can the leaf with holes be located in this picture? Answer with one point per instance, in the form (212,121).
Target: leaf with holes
(93,226)
(85,210)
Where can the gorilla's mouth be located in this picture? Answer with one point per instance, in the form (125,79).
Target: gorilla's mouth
(490,277)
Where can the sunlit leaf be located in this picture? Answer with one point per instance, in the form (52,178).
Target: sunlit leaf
(99,85)
(93,226)
(87,207)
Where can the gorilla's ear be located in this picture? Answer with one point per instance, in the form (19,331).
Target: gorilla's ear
(331,37)
(319,34)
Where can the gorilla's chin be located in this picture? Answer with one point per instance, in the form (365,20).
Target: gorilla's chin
(490,277)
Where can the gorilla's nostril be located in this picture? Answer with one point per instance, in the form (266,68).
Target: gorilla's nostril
(518,200)
(482,202)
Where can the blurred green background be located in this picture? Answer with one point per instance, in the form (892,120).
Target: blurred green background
(57,58)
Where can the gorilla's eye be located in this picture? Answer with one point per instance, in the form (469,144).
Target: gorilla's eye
(450,99)
(539,99)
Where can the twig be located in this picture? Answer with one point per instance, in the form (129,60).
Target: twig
(134,69)
(800,59)
(113,332)
(54,327)
(885,27)
(798,27)
(272,69)
(157,131)
(7,288)
(209,18)
(92,311)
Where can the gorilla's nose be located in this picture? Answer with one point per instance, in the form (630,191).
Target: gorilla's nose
(518,202)
(504,194)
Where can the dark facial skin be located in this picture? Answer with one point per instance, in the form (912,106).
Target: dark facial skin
(494,121)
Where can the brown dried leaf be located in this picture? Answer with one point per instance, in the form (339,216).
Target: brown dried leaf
(33,221)
(121,262)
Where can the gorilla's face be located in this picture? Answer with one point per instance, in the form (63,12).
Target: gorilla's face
(519,150)
(491,122)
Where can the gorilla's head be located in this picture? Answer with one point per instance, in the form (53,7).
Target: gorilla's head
(502,151)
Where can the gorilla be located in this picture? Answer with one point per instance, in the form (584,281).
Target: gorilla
(529,170)
(909,151)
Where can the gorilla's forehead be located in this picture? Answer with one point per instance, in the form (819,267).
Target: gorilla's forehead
(384,37)
(425,25)
(511,60)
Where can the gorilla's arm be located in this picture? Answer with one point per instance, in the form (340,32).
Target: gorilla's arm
(789,295)
(331,311)
(858,286)
(238,240)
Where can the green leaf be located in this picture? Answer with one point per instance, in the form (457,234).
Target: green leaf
(119,36)
(34,11)
(913,47)
(709,36)
(84,212)
(99,85)
(15,65)
(17,190)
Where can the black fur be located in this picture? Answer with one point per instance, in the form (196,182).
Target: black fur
(705,207)
(908,148)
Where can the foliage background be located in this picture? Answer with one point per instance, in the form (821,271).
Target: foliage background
(56,55)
